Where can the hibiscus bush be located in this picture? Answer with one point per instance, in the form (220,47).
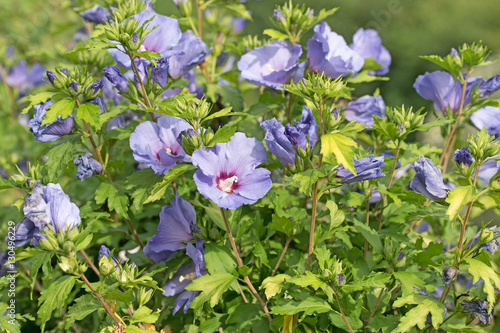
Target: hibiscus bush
(171,174)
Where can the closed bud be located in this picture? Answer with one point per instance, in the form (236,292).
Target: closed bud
(60,238)
(189,141)
(68,247)
(106,266)
(68,265)
(449,273)
(144,296)
(51,76)
(400,260)
(47,245)
(74,85)
(73,233)
(340,280)
(82,269)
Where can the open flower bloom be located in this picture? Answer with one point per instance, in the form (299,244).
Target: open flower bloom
(155,144)
(364,108)
(175,229)
(273,64)
(49,132)
(227,172)
(177,284)
(47,205)
(488,170)
(487,117)
(368,44)
(162,39)
(369,167)
(283,142)
(23,78)
(96,14)
(328,53)
(428,180)
(188,54)
(442,89)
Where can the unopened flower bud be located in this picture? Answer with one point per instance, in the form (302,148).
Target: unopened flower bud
(400,260)
(106,266)
(340,280)
(68,247)
(51,76)
(449,273)
(47,245)
(74,85)
(189,141)
(68,265)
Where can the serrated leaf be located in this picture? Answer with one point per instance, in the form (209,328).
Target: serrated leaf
(37,99)
(116,199)
(340,146)
(159,188)
(81,308)
(374,280)
(418,315)
(448,63)
(89,112)
(459,197)
(309,279)
(438,122)
(28,253)
(424,258)
(219,259)
(63,108)
(135,329)
(273,284)
(409,281)
(53,297)
(282,224)
(307,179)
(60,155)
(260,253)
(6,323)
(479,270)
(144,314)
(364,76)
(370,235)
(309,306)
(337,216)
(221,113)
(382,126)
(223,134)
(212,286)
(247,317)
(275,34)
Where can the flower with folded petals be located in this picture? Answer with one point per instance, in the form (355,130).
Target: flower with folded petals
(368,44)
(155,144)
(489,86)
(162,39)
(177,284)
(189,53)
(449,273)
(491,246)
(159,73)
(227,172)
(487,117)
(364,108)
(369,167)
(328,53)
(428,180)
(177,222)
(191,86)
(49,132)
(442,89)
(23,78)
(479,308)
(96,14)
(463,157)
(47,205)
(86,166)
(273,64)
(117,79)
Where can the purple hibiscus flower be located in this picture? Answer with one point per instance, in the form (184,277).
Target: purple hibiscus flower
(368,44)
(46,205)
(428,180)
(487,117)
(86,166)
(155,144)
(328,53)
(189,53)
(488,170)
(369,167)
(463,157)
(162,39)
(96,14)
(283,142)
(364,108)
(273,64)
(49,132)
(227,172)
(177,284)
(23,78)
(442,89)
(176,227)
(104,251)
(489,86)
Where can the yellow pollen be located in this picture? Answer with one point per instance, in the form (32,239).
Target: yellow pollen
(226,185)
(190,276)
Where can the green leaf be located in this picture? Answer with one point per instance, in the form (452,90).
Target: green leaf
(337,216)
(340,146)
(448,63)
(89,112)
(144,314)
(424,258)
(409,281)
(309,279)
(116,198)
(273,284)
(260,253)
(37,99)
(307,179)
(28,253)
(63,108)
(54,297)
(275,34)
(438,122)
(479,270)
(135,329)
(282,224)
(60,155)
(370,235)
(365,77)
(212,286)
(149,55)
(418,315)
(159,188)
(463,328)
(309,306)
(382,126)
(223,134)
(7,324)
(81,308)
(459,197)
(374,280)
(246,317)
(221,113)
(229,95)
(219,259)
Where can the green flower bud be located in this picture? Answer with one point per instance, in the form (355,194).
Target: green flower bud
(68,247)
(69,265)
(106,266)
(48,245)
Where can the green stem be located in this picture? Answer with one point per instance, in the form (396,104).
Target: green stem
(282,256)
(391,178)
(372,312)
(342,310)
(91,264)
(367,220)
(146,97)
(103,301)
